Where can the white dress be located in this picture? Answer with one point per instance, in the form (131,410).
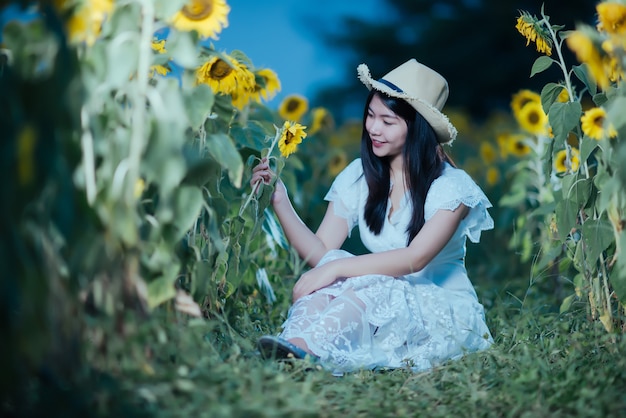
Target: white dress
(418,320)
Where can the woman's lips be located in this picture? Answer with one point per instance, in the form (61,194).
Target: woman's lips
(377,144)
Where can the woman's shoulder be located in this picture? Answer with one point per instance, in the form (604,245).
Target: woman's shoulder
(452,187)
(455,178)
(352,172)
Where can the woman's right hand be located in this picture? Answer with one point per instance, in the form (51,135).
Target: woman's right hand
(264,174)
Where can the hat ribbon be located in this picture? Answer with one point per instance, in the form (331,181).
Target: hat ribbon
(390,85)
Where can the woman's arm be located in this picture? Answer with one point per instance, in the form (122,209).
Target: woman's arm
(431,239)
(331,233)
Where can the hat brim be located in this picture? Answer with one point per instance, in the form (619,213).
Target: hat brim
(445,131)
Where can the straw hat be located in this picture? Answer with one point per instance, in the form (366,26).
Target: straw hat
(423,88)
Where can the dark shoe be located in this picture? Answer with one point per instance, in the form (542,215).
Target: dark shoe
(277,348)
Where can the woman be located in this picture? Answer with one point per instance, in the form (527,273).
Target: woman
(409,302)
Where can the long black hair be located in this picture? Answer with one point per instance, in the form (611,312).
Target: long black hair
(424,160)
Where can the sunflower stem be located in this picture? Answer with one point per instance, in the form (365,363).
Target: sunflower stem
(255,187)
(558,45)
(139,109)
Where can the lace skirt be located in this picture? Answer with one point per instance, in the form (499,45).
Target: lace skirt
(378,321)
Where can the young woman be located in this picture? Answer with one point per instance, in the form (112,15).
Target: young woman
(409,302)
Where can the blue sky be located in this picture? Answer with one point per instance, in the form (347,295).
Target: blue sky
(279,35)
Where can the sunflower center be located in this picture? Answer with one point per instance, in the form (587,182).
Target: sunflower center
(198,9)
(288,137)
(219,70)
(533,118)
(598,121)
(292,105)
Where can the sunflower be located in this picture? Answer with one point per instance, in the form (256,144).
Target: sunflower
(593,124)
(322,120)
(271,84)
(293,107)
(612,18)
(292,134)
(225,75)
(506,142)
(533,30)
(563,96)
(492,176)
(586,52)
(207,17)
(518,146)
(85,23)
(533,119)
(158,46)
(562,164)
(337,163)
(522,97)
(487,152)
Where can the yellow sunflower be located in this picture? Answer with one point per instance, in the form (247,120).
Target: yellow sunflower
(506,142)
(587,53)
(207,17)
(85,23)
(158,46)
(492,176)
(518,146)
(612,17)
(293,107)
(533,119)
(533,31)
(593,123)
(562,164)
(322,120)
(522,97)
(293,133)
(337,163)
(226,75)
(271,83)
(487,152)
(563,96)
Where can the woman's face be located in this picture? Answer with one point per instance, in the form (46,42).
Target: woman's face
(386,130)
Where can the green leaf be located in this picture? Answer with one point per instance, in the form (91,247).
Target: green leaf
(222,149)
(162,289)
(566,213)
(618,276)
(549,93)
(563,118)
(188,202)
(567,303)
(122,51)
(577,188)
(183,49)
(541,64)
(165,9)
(616,114)
(598,235)
(581,73)
(587,146)
(199,105)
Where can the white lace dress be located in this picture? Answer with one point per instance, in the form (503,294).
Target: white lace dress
(418,320)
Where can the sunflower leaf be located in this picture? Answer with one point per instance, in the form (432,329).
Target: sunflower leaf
(563,118)
(549,93)
(541,64)
(221,148)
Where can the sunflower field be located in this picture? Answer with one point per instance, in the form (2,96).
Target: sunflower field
(139,266)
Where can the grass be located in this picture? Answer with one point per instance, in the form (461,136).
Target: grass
(542,364)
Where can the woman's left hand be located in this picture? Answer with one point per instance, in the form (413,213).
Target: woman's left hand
(315,279)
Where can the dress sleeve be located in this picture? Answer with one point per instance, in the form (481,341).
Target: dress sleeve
(451,189)
(345,193)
